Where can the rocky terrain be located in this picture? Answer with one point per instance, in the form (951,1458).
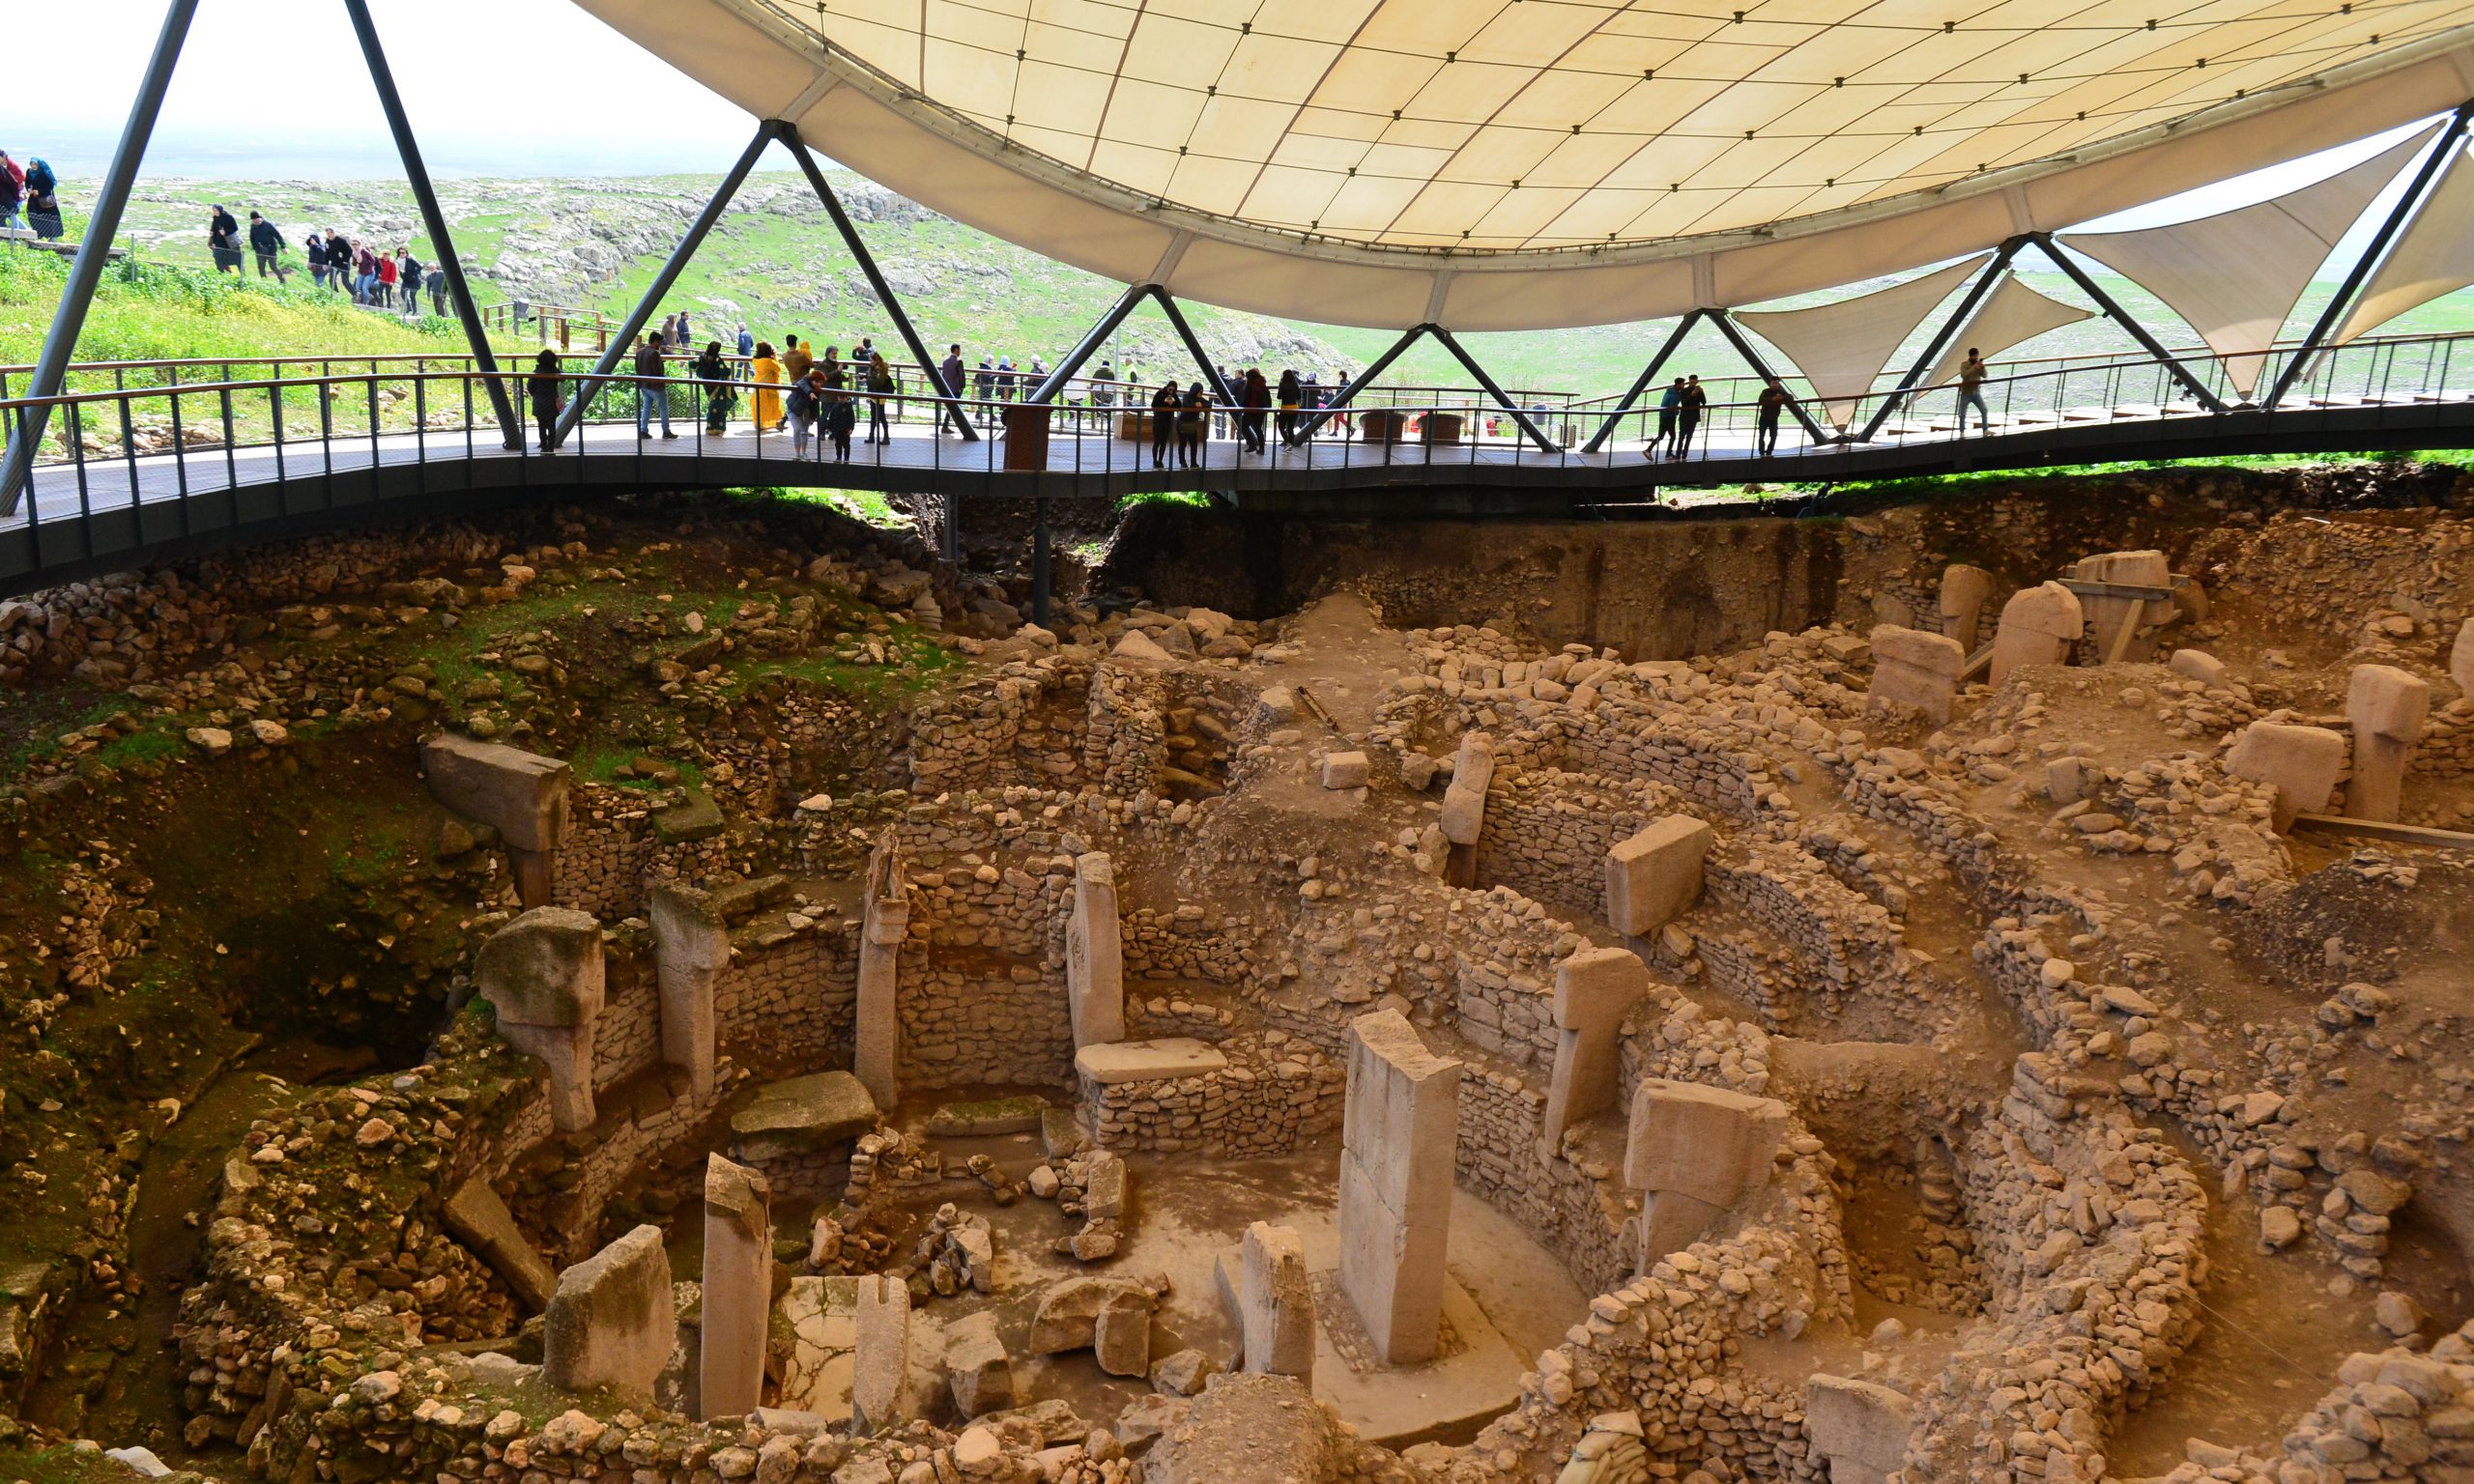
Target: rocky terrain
(684,990)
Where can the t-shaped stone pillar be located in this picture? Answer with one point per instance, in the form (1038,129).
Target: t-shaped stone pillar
(522,795)
(1095,954)
(1464,806)
(1965,590)
(738,1289)
(1916,669)
(2302,763)
(1595,988)
(1860,1427)
(1400,1147)
(543,973)
(1276,1302)
(1655,875)
(884,921)
(691,948)
(612,1322)
(880,1361)
(2388,708)
(2040,625)
(1696,1150)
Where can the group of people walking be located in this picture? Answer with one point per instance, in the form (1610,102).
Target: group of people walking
(372,275)
(29,197)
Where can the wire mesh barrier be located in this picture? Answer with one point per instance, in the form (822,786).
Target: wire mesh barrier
(142,455)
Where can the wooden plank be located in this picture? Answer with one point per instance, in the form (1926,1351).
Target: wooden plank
(1316,706)
(2087,589)
(2122,636)
(1979,661)
(2381,829)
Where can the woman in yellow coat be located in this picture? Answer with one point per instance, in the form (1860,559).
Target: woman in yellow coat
(767,374)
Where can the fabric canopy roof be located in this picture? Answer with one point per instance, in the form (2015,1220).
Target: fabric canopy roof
(2236,276)
(1498,164)
(1841,348)
(2013,315)
(2434,256)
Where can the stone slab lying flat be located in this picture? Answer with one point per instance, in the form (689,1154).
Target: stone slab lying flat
(804,1113)
(1147,1061)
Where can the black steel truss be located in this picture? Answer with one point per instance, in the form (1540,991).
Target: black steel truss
(1308,425)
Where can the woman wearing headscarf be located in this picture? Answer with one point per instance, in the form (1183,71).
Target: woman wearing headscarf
(543,386)
(1291,397)
(1164,422)
(716,372)
(880,389)
(1191,417)
(767,374)
(806,401)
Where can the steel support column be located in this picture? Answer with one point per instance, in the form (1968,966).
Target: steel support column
(883,291)
(2121,316)
(1054,381)
(1363,380)
(1193,344)
(1469,364)
(1641,383)
(622,342)
(433,220)
(94,249)
(2406,205)
(1941,339)
(1760,368)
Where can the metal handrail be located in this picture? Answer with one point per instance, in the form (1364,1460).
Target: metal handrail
(75,514)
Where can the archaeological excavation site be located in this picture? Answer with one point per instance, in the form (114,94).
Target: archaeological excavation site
(1966,985)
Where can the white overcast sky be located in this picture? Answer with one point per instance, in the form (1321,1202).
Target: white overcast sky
(274,90)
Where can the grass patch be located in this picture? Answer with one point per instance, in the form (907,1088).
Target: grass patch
(601,766)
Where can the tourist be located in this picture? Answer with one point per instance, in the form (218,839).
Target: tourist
(224,240)
(805,402)
(839,416)
(796,357)
(1292,396)
(1259,406)
(764,374)
(543,385)
(338,263)
(12,192)
(385,280)
(315,250)
(1773,401)
(264,241)
(1971,373)
(746,349)
(1191,419)
(651,367)
(1006,377)
(438,292)
(1164,422)
(716,372)
(685,335)
(880,390)
(43,200)
(408,274)
(1687,415)
(1670,403)
(669,329)
(951,374)
(1104,394)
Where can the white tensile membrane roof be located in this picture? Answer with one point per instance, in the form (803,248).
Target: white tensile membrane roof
(1495,164)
